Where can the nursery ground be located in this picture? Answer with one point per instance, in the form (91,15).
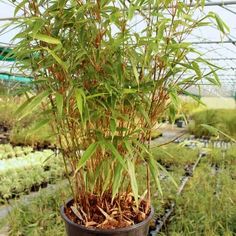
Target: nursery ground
(207,206)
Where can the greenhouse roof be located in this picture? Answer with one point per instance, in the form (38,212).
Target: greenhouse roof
(217,48)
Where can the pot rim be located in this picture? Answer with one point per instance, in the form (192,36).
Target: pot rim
(126,229)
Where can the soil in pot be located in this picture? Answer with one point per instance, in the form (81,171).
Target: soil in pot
(101,224)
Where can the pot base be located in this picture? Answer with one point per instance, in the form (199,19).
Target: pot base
(73,229)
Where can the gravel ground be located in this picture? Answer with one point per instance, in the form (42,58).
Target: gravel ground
(169,133)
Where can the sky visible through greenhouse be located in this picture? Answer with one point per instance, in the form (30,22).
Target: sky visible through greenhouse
(218,49)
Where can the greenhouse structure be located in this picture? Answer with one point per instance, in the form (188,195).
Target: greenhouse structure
(118,117)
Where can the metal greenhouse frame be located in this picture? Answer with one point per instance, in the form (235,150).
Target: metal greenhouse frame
(217,49)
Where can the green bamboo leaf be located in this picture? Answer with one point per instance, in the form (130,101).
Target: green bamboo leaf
(144,114)
(129,91)
(96,95)
(20,6)
(197,69)
(213,80)
(183,45)
(167,2)
(59,103)
(46,38)
(31,104)
(38,125)
(37,27)
(117,179)
(217,131)
(154,172)
(129,147)
(220,23)
(168,174)
(86,155)
(217,79)
(131,11)
(113,126)
(79,101)
(134,66)
(161,29)
(107,175)
(203,3)
(22,107)
(175,100)
(116,154)
(142,146)
(58,59)
(133,180)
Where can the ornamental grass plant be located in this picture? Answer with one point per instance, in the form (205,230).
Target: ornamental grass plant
(104,72)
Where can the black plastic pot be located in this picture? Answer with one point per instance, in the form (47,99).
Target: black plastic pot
(73,229)
(180,123)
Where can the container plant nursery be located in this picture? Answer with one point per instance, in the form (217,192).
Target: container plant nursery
(102,84)
(22,170)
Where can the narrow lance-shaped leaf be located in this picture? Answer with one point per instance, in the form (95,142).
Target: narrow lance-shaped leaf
(86,155)
(46,38)
(107,172)
(161,29)
(20,6)
(113,126)
(38,125)
(117,179)
(116,154)
(57,58)
(38,25)
(31,104)
(197,69)
(217,131)
(133,180)
(59,103)
(144,114)
(131,11)
(96,95)
(217,80)
(154,172)
(168,174)
(79,102)
(203,3)
(220,23)
(136,75)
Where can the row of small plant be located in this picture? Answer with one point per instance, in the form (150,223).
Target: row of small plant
(8,151)
(197,211)
(172,155)
(20,175)
(20,131)
(207,206)
(222,119)
(42,218)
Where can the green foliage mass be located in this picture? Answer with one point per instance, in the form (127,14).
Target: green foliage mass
(25,131)
(222,119)
(41,217)
(106,85)
(19,173)
(207,206)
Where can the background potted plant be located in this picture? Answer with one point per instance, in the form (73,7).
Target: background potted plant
(103,83)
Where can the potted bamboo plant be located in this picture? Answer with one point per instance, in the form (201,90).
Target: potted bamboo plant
(104,72)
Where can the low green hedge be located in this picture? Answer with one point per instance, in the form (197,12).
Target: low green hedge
(19,174)
(20,130)
(7,151)
(175,155)
(222,119)
(41,217)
